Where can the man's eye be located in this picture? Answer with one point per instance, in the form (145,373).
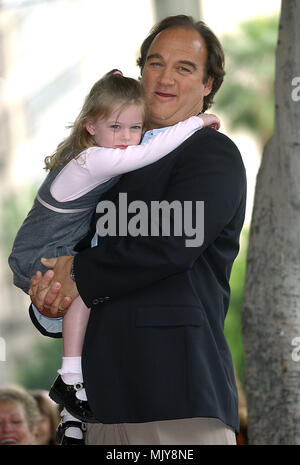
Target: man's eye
(155,63)
(184,69)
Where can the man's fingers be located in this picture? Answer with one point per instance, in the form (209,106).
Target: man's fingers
(46,312)
(35,279)
(39,286)
(39,282)
(55,307)
(52,294)
(65,303)
(38,299)
(60,305)
(45,281)
(48,292)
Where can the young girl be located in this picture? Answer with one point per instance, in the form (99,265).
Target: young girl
(102,145)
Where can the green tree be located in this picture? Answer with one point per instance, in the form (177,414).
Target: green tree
(247,94)
(38,370)
(14,209)
(247,99)
(41,369)
(233,322)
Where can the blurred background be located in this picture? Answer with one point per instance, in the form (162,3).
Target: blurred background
(51,53)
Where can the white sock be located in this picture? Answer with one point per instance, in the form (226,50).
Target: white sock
(71,373)
(72,431)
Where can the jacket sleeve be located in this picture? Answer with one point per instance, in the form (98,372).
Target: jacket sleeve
(209,170)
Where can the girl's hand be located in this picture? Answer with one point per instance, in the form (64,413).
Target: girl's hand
(210,120)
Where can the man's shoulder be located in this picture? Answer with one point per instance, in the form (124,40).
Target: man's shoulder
(209,136)
(210,142)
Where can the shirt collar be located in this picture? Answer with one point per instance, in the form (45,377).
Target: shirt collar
(152,132)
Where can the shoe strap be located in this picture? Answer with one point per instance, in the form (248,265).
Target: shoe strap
(76,424)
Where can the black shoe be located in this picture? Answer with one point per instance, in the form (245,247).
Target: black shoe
(65,394)
(64,440)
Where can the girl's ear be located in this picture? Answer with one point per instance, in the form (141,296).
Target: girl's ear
(89,126)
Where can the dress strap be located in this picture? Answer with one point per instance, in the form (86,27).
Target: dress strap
(60,210)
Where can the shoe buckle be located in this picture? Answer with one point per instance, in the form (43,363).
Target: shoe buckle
(78,386)
(83,427)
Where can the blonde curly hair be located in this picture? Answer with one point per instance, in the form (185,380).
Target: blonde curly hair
(111,93)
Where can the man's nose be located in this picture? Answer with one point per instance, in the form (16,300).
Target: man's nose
(166,76)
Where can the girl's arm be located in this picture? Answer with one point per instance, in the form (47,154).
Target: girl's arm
(97,164)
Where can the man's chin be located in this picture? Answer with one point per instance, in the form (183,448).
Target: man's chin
(163,119)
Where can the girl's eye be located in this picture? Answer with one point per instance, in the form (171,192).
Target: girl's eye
(115,126)
(137,128)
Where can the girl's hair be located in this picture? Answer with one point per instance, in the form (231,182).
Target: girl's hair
(20,396)
(111,93)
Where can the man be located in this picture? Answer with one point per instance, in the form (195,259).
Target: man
(156,364)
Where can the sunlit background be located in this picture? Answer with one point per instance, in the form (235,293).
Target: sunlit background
(51,52)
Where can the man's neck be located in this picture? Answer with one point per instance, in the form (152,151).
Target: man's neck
(162,124)
(157,126)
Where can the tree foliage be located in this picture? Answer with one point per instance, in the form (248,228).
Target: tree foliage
(247,94)
(233,321)
(40,369)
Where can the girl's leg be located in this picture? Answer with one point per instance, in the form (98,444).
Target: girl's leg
(71,431)
(73,330)
(74,327)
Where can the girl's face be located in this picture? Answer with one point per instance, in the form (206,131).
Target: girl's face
(14,428)
(120,129)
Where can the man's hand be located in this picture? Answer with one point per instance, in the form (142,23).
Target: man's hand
(54,292)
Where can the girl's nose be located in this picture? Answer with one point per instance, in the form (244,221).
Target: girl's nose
(126,134)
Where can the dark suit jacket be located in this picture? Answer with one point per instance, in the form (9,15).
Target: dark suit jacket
(155,346)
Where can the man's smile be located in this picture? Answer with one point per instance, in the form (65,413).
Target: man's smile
(164,95)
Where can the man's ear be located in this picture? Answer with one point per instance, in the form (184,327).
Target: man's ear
(89,126)
(208,86)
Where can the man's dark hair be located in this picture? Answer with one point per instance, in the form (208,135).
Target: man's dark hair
(215,55)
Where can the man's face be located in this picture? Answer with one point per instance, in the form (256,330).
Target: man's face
(173,76)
